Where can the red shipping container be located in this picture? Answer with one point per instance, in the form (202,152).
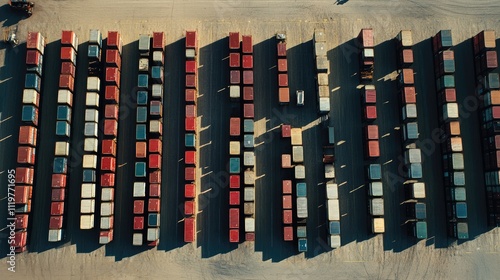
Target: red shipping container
(68,68)
(111,111)
(66,81)
(189,173)
(246,44)
(248,93)
(287,186)
(190,157)
(56,222)
(281,49)
(370,112)
(190,191)
(190,124)
(370,96)
(283,80)
(113,76)
(32,42)
(495,112)
(68,38)
(189,229)
(286,130)
(189,207)
(190,81)
(33,57)
(155,146)
(408,95)
(248,77)
(247,62)
(234,218)
(287,201)
(234,126)
(112,93)
(138,206)
(158,40)
(249,236)
(22,194)
(27,135)
(140,149)
(58,194)
(154,205)
(155,177)
(138,223)
(155,190)
(234,77)
(24,175)
(288,233)
(111,127)
(115,41)
(234,235)
(287,217)
(20,239)
(108,164)
(447,96)
(68,54)
(491,60)
(282,65)
(191,66)
(234,181)
(190,95)
(373,148)
(56,208)
(234,60)
(190,111)
(155,161)
(407,56)
(248,111)
(365,37)
(58,180)
(26,155)
(191,40)
(234,198)
(234,40)
(113,58)
(372,132)
(21,221)
(108,180)
(108,147)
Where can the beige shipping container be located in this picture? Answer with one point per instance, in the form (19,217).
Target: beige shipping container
(139,189)
(378,225)
(107,208)
(323,91)
(90,161)
(234,91)
(107,222)
(322,79)
(319,35)
(249,194)
(298,154)
(137,239)
(65,96)
(88,190)
(61,149)
(87,221)
(249,177)
(90,145)
(92,99)
(87,206)
(234,147)
(93,84)
(30,97)
(296,134)
(405,37)
(320,49)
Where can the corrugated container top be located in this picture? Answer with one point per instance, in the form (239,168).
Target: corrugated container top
(35,41)
(281,48)
(366,38)
(158,40)
(144,42)
(191,39)
(300,172)
(373,148)
(33,57)
(372,132)
(68,54)
(489,39)
(301,190)
(296,134)
(376,189)
(377,206)
(333,210)
(27,135)
(115,40)
(68,38)
(95,37)
(446,39)
(234,126)
(370,95)
(320,49)
(332,191)
(301,207)
(407,76)
(246,44)
(405,37)
(248,110)
(234,40)
(375,171)
(418,190)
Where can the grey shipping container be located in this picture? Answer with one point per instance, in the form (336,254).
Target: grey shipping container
(301,207)
(374,172)
(376,206)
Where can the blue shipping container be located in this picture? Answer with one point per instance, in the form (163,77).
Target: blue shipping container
(64,113)
(190,140)
(32,81)
(374,172)
(89,176)
(62,128)
(142,97)
(60,165)
(301,190)
(140,132)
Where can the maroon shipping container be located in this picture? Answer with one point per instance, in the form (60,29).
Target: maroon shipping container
(58,181)
(190,174)
(113,58)
(33,57)
(282,65)
(68,68)
(111,111)
(234,198)
(138,206)
(286,130)
(234,235)
(22,194)
(247,61)
(32,42)
(372,132)
(288,233)
(248,77)
(373,149)
(234,218)
(111,127)
(155,177)
(189,229)
(68,38)
(108,180)
(27,135)
(155,146)
(191,81)
(190,124)
(234,40)
(112,93)
(189,190)
(140,149)
(22,221)
(68,54)
(189,207)
(26,155)
(109,147)
(190,95)
(489,60)
(20,241)
(365,38)
(234,181)
(234,60)
(248,93)
(281,49)
(448,95)
(234,126)
(154,205)
(24,175)
(56,222)
(191,66)
(113,76)
(283,80)
(370,112)
(190,111)
(155,161)
(115,41)
(246,44)
(56,208)
(287,217)
(138,223)
(191,40)
(249,236)
(155,190)
(248,111)
(287,186)
(158,40)
(190,157)
(370,96)
(58,194)
(408,95)
(66,81)
(234,77)
(287,201)
(108,164)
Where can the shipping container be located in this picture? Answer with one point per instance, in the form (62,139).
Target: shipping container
(281,49)
(68,54)
(87,221)
(442,40)
(155,190)
(108,164)
(406,57)
(419,229)
(453,161)
(58,194)
(248,208)
(234,235)
(24,175)
(189,190)
(234,181)
(287,202)
(234,92)
(112,93)
(111,127)
(408,95)
(60,165)
(33,58)
(370,113)
(189,229)
(61,149)
(247,62)
(140,132)
(249,194)
(371,132)
(191,41)
(332,191)
(456,194)
(234,60)
(35,41)
(190,174)
(249,177)
(376,206)
(190,124)
(246,44)
(140,149)
(66,81)
(234,198)
(234,40)
(158,58)
(286,161)
(63,129)
(234,126)
(56,222)
(20,238)
(154,205)
(374,172)
(32,81)
(248,93)
(56,208)
(410,131)
(64,96)
(282,65)
(288,233)
(158,40)
(153,234)
(376,189)
(157,74)
(58,181)
(302,207)
(365,38)
(69,38)
(415,190)
(234,218)
(234,148)
(191,53)
(26,155)
(95,37)
(296,135)
(248,159)
(141,114)
(138,206)
(108,180)
(284,95)
(92,100)
(113,76)
(334,227)
(63,113)
(87,190)
(413,156)
(143,81)
(140,169)
(106,223)
(108,147)
(189,157)
(90,145)
(113,58)
(144,44)
(190,95)
(300,172)
(333,210)
(89,176)
(234,77)
(22,194)
(370,95)
(139,189)
(416,210)
(414,171)
(446,81)
(94,56)
(190,140)
(283,80)
(302,245)
(248,110)
(372,149)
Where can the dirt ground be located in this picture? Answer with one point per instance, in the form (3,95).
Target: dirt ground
(362,256)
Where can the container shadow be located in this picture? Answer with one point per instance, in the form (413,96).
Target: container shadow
(11,16)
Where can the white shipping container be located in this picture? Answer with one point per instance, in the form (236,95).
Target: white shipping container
(409,111)
(87,206)
(190,53)
(157,90)
(248,159)
(234,147)
(376,189)
(107,222)
(368,53)
(137,239)
(329,171)
(301,207)
(88,190)
(450,111)
(334,241)
(324,104)
(249,224)
(378,225)
(30,97)
(65,96)
(143,64)
(55,235)
(90,161)
(153,234)
(234,91)
(155,126)
(298,154)
(92,99)
(249,194)
(87,221)
(107,208)
(90,129)
(61,149)
(90,145)
(332,191)
(139,189)
(107,194)
(300,172)
(418,190)
(91,115)
(249,177)
(413,156)
(333,211)
(376,206)
(158,56)
(93,84)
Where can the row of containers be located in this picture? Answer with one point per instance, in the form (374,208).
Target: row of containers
(69,46)
(413,187)
(148,144)
(322,72)
(190,136)
(283,89)
(241,64)
(365,43)
(28,135)
(452,150)
(488,93)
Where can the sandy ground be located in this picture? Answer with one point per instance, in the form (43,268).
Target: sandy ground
(391,256)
